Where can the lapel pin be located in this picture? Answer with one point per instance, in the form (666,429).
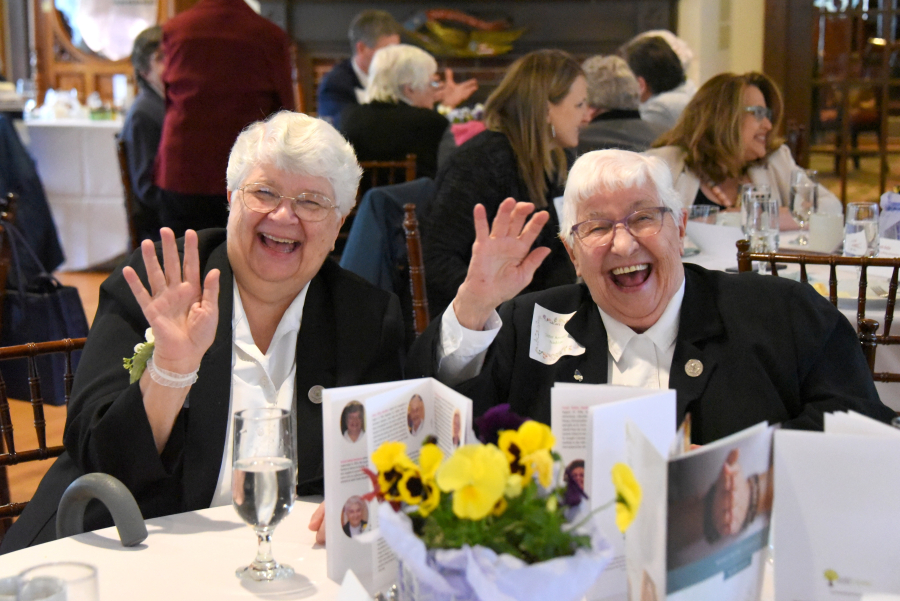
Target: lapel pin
(578,376)
(315,394)
(693,368)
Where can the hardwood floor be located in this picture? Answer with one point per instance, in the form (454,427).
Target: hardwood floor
(24,479)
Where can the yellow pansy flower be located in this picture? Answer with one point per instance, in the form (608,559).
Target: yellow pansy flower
(476,475)
(528,451)
(500,507)
(513,486)
(430,458)
(628,495)
(393,464)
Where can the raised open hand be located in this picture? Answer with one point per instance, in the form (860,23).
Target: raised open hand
(503,261)
(451,93)
(183,316)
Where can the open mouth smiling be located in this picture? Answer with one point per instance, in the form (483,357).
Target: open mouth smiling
(281,245)
(630,276)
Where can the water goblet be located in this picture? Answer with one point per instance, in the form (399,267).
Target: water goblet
(804,200)
(263,481)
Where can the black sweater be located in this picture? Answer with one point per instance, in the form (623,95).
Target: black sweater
(483,170)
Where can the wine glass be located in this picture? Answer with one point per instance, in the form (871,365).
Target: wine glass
(263,481)
(804,199)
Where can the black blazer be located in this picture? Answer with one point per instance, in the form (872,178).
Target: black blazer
(771,349)
(337,92)
(351,334)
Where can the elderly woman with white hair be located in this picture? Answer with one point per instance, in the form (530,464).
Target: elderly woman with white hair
(250,316)
(398,117)
(614,97)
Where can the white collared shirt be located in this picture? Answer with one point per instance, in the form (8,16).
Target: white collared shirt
(363,82)
(257,379)
(643,360)
(632,359)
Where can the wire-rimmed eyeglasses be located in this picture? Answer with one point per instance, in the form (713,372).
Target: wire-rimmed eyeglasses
(640,224)
(760,112)
(308,206)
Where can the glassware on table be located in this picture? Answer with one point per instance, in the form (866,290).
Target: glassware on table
(62,581)
(762,225)
(703,213)
(861,229)
(749,194)
(804,199)
(263,481)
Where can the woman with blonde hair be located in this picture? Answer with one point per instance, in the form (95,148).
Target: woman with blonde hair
(532,117)
(727,137)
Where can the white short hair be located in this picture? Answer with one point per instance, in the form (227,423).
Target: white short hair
(300,144)
(608,170)
(611,84)
(396,66)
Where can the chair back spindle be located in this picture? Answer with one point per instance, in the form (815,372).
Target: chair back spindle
(416,269)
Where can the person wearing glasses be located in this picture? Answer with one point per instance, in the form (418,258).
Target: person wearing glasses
(738,349)
(398,116)
(727,137)
(253,315)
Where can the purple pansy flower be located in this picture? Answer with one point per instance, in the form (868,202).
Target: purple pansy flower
(496,419)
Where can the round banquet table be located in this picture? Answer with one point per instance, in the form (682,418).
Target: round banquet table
(191,556)
(194,555)
(718,252)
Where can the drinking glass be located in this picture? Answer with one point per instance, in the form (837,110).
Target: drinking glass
(703,213)
(861,230)
(62,581)
(804,199)
(749,194)
(263,481)
(762,225)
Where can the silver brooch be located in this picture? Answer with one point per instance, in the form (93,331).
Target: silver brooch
(693,368)
(315,394)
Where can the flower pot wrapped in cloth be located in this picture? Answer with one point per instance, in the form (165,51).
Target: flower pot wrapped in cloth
(488,523)
(478,573)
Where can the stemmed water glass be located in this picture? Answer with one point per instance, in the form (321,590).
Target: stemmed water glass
(263,481)
(804,199)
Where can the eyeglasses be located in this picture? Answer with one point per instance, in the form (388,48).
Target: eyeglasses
(760,112)
(308,206)
(594,233)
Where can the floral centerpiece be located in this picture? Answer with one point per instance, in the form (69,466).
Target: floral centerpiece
(491,521)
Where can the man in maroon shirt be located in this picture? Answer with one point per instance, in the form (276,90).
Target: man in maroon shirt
(226,67)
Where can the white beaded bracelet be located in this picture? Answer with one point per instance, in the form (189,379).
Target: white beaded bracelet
(170,379)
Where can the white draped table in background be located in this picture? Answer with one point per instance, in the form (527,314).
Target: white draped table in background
(718,251)
(191,556)
(79,168)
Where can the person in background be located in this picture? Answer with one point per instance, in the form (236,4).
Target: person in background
(664,89)
(345,84)
(613,95)
(532,118)
(225,68)
(727,137)
(398,116)
(737,349)
(143,128)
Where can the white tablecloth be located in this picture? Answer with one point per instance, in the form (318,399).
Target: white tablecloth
(887,359)
(79,168)
(191,556)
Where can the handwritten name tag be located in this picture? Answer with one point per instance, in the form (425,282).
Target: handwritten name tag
(549,339)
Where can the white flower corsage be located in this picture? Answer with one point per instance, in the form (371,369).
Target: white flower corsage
(137,363)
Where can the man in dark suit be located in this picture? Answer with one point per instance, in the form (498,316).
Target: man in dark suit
(238,342)
(343,85)
(738,349)
(143,128)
